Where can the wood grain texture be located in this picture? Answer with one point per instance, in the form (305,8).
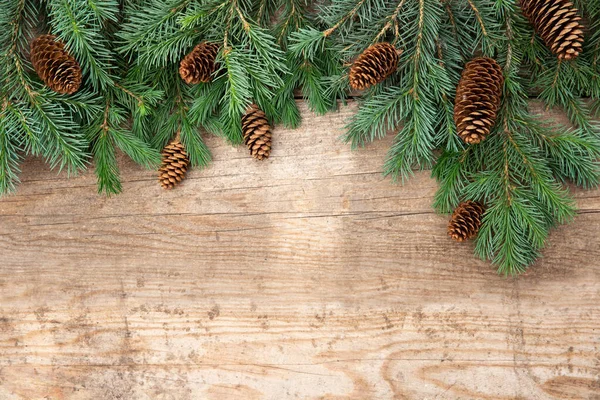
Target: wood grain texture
(307,276)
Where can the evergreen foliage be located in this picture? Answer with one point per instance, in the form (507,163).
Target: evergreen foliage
(520,171)
(134,100)
(70,131)
(159,33)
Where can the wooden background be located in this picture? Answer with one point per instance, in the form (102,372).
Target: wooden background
(308,276)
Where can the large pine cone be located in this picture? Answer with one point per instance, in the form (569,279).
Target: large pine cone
(54,65)
(257,132)
(174,165)
(478,98)
(466,220)
(199,65)
(558,24)
(374,65)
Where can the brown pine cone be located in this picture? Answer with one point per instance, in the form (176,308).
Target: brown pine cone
(374,65)
(466,220)
(174,164)
(54,65)
(199,65)
(257,132)
(477,99)
(558,24)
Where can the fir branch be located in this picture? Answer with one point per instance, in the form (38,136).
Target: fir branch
(135,148)
(294,16)
(34,121)
(377,116)
(103,10)
(413,146)
(9,151)
(486,27)
(518,180)
(238,95)
(174,118)
(206,100)
(111,129)
(105,160)
(152,33)
(362,10)
(83,35)
(571,154)
(453,171)
(391,20)
(563,83)
(519,169)
(265,11)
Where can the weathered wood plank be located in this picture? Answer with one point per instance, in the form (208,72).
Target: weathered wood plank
(308,276)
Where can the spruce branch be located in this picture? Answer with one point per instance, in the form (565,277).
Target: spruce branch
(109,132)
(572,155)
(105,160)
(294,16)
(413,146)
(151,33)
(46,128)
(519,170)
(83,36)
(391,21)
(9,150)
(377,116)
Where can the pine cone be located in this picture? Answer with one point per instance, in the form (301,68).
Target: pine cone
(478,98)
(257,132)
(174,165)
(374,65)
(199,65)
(54,65)
(558,24)
(466,220)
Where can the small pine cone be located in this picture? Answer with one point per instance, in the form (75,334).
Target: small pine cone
(257,132)
(54,65)
(466,220)
(478,98)
(174,165)
(374,65)
(199,65)
(558,24)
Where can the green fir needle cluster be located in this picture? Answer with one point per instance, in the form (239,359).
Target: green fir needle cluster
(133,100)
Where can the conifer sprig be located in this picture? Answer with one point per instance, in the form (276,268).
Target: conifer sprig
(33,120)
(70,130)
(88,30)
(518,171)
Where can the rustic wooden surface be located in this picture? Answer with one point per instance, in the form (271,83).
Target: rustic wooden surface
(308,276)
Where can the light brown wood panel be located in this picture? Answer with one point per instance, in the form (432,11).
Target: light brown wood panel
(307,276)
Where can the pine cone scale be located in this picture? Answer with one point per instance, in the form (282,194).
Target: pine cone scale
(558,24)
